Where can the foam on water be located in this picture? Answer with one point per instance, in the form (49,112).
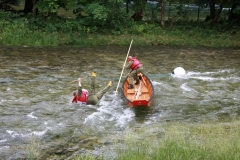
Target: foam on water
(3,140)
(124,118)
(190,73)
(186,88)
(156,83)
(38,133)
(15,134)
(181,77)
(4,147)
(36,102)
(211,76)
(110,110)
(31,115)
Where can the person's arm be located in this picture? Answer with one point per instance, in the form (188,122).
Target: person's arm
(128,65)
(79,87)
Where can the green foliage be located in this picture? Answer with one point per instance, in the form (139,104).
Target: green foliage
(87,157)
(148,28)
(49,6)
(32,150)
(7,4)
(237,9)
(181,141)
(98,22)
(104,16)
(96,14)
(52,6)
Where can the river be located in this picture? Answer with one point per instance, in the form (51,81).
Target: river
(35,104)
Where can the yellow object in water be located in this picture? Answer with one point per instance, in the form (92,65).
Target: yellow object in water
(93,74)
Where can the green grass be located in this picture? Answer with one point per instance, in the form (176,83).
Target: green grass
(32,150)
(20,34)
(170,141)
(188,141)
(55,31)
(175,141)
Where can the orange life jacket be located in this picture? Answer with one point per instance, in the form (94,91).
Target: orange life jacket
(83,99)
(136,64)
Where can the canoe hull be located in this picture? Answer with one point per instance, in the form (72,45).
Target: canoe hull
(141,95)
(139,103)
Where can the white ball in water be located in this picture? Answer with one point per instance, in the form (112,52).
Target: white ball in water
(179,71)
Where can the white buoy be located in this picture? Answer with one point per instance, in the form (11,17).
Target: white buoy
(179,71)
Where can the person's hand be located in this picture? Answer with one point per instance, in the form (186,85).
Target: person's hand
(79,82)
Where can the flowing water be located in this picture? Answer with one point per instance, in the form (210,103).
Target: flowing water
(36,109)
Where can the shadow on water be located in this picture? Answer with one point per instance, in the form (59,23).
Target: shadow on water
(142,113)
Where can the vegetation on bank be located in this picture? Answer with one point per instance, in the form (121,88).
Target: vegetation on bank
(218,141)
(91,23)
(172,141)
(58,31)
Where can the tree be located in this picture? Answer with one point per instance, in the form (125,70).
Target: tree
(139,8)
(5,5)
(30,7)
(234,12)
(162,13)
(215,14)
(46,6)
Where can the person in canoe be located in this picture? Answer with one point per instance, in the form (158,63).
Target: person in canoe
(89,97)
(135,67)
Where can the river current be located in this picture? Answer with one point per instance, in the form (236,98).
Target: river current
(35,104)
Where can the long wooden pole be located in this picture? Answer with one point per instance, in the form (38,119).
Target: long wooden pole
(124,65)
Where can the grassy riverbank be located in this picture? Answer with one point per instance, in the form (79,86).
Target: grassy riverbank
(12,35)
(215,141)
(205,141)
(57,31)
(170,141)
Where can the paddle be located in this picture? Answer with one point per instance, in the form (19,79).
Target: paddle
(77,80)
(140,74)
(138,91)
(123,66)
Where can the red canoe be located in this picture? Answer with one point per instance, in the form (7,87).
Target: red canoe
(141,95)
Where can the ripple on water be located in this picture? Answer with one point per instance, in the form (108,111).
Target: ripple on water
(35,94)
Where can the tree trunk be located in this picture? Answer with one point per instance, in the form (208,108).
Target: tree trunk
(232,15)
(138,15)
(217,15)
(162,14)
(198,13)
(169,8)
(127,9)
(34,8)
(212,11)
(29,7)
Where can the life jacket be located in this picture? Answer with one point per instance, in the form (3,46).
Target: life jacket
(136,64)
(83,99)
